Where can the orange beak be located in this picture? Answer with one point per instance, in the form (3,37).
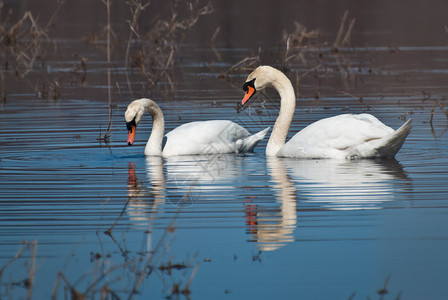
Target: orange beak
(249,93)
(131,134)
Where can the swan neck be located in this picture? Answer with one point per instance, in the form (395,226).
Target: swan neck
(287,106)
(154,144)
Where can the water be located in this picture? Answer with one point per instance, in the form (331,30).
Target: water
(105,217)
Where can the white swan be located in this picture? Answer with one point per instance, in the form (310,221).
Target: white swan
(206,137)
(345,136)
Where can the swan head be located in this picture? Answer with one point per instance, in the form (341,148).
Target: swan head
(133,115)
(261,78)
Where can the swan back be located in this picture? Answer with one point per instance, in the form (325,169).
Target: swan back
(204,137)
(346,136)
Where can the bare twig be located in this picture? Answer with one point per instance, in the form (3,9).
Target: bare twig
(212,43)
(30,281)
(432,112)
(109,230)
(296,41)
(310,70)
(343,36)
(445,112)
(106,136)
(337,41)
(243,65)
(384,290)
(16,256)
(215,34)
(348,34)
(186,289)
(136,7)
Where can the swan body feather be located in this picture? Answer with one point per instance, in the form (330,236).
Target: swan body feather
(344,136)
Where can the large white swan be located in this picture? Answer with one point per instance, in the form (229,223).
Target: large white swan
(344,136)
(205,137)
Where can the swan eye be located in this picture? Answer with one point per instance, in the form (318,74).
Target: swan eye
(131,124)
(249,84)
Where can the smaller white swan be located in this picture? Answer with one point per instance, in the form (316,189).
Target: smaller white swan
(205,137)
(345,136)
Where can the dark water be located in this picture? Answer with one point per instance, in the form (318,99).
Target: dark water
(229,226)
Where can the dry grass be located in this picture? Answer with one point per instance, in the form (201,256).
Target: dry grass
(28,281)
(245,65)
(105,280)
(24,45)
(154,51)
(293,43)
(101,282)
(25,41)
(303,47)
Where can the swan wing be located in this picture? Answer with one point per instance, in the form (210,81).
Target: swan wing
(342,136)
(204,137)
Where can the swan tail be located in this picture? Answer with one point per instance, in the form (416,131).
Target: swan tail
(395,142)
(385,147)
(388,146)
(248,144)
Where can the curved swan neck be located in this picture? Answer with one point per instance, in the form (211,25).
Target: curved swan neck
(154,144)
(287,106)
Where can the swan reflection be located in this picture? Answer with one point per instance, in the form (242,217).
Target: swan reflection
(271,228)
(181,181)
(144,201)
(270,211)
(186,180)
(346,185)
(192,178)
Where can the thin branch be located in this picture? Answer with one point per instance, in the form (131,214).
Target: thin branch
(348,34)
(310,70)
(341,41)
(109,230)
(30,281)
(432,112)
(18,255)
(337,41)
(442,109)
(136,8)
